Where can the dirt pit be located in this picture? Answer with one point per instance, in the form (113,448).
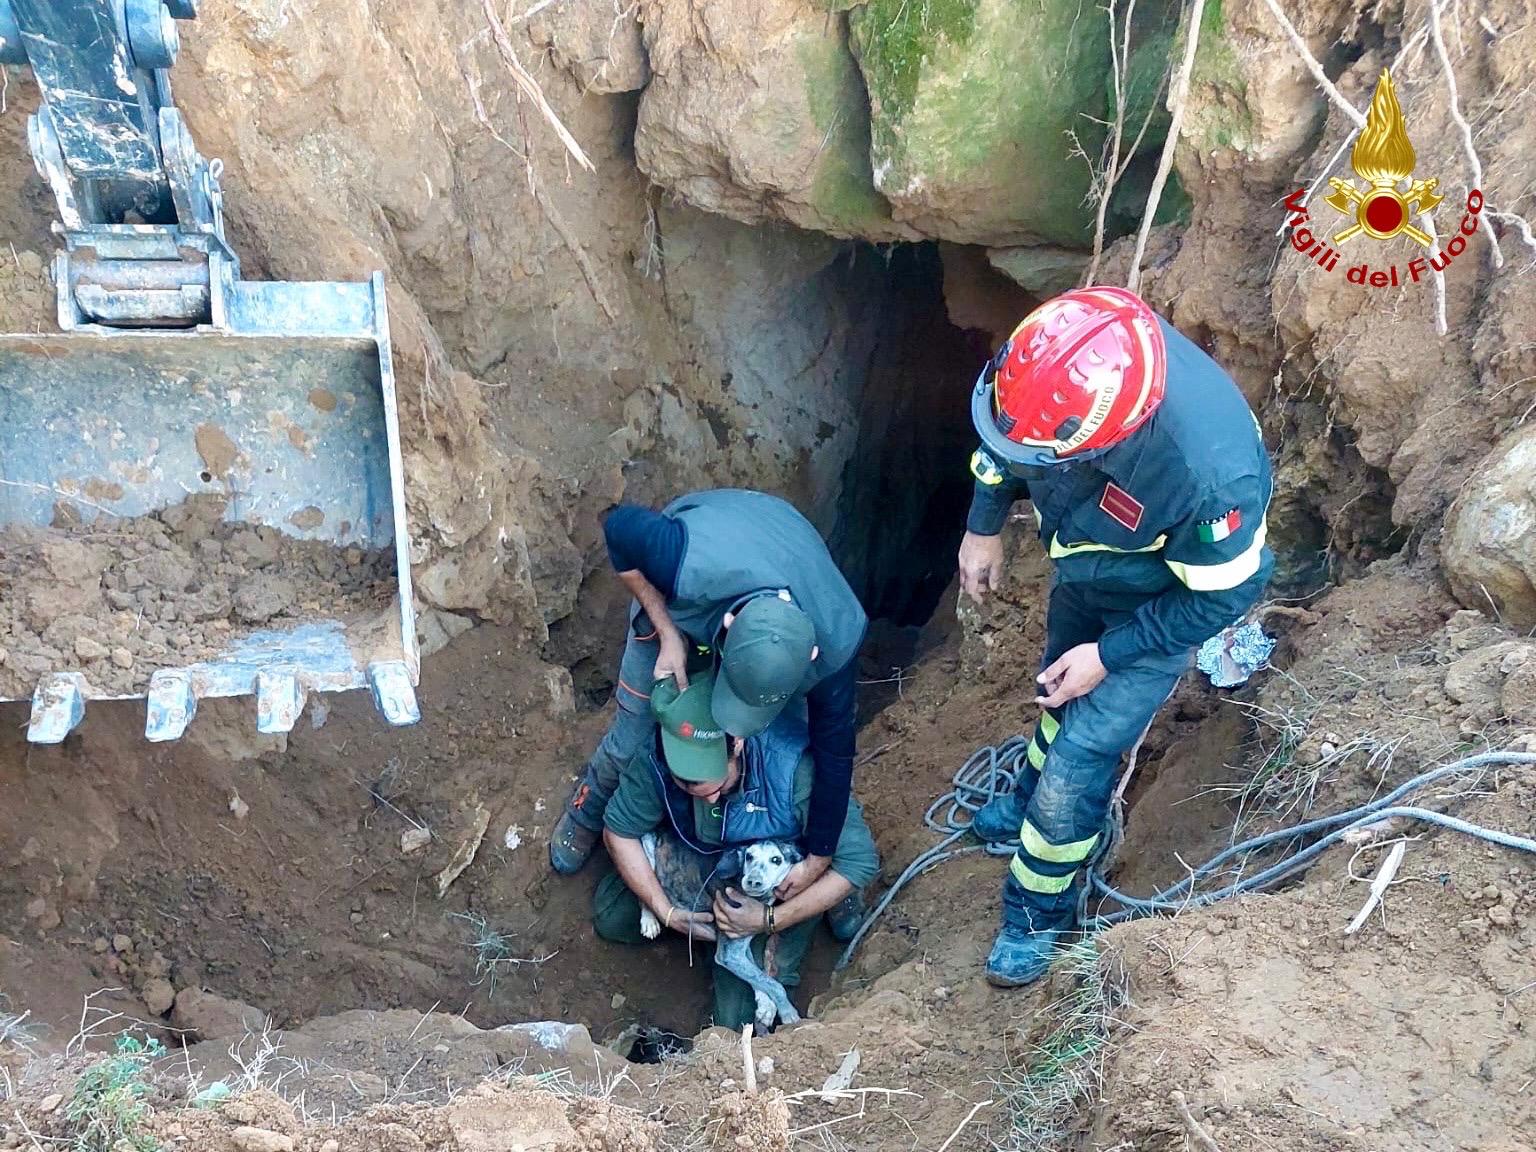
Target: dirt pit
(118,599)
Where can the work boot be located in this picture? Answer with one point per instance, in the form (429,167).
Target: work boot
(999,819)
(1019,957)
(571,843)
(846,915)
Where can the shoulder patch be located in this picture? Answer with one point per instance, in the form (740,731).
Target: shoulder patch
(1220,527)
(1121,507)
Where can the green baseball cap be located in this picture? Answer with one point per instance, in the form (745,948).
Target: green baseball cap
(691,739)
(764,660)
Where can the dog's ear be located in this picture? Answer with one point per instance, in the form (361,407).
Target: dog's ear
(792,853)
(731,864)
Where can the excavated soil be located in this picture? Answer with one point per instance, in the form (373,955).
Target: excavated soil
(118,599)
(564,339)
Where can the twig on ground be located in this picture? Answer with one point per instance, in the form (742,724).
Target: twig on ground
(1379,886)
(1198,1136)
(876,753)
(1165,162)
(748,1068)
(969,1116)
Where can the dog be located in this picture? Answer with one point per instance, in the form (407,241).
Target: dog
(690,880)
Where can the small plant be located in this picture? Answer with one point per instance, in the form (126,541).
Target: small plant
(493,950)
(1065,1069)
(107,1108)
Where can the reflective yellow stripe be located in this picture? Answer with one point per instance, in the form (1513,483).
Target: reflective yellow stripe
(1036,756)
(1220,577)
(983,468)
(1049,726)
(1042,849)
(1058,549)
(1032,881)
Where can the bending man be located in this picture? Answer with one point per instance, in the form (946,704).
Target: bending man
(742,576)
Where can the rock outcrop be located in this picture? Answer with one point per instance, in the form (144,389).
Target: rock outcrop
(756,111)
(974,108)
(1489,547)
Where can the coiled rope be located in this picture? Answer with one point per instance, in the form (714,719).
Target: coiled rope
(994,770)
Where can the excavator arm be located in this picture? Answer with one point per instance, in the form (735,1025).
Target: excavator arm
(172,377)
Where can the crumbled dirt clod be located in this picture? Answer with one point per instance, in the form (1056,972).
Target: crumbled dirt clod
(121,599)
(158,996)
(261,1140)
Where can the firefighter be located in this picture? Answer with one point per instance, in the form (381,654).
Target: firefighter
(1149,483)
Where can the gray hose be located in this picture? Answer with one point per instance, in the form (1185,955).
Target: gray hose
(994,770)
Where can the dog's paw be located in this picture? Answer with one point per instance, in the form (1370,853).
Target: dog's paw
(650,927)
(766,1012)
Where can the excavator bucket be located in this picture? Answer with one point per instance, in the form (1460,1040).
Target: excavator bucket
(200,488)
(206,512)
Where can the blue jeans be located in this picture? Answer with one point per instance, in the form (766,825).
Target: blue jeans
(1074,762)
(632,728)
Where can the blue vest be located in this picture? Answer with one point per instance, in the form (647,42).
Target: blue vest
(762,807)
(742,542)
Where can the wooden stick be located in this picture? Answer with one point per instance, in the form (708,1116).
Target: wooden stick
(971,1115)
(1165,162)
(1197,1135)
(1379,886)
(748,1068)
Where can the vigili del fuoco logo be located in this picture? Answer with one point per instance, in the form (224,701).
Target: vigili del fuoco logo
(1384,208)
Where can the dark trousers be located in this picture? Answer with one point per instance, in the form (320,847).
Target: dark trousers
(1074,761)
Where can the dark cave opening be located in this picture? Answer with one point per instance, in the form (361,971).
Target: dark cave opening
(907,486)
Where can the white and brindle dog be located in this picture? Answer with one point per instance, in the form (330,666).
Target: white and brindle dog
(690,881)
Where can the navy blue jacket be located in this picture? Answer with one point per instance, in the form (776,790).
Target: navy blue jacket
(1168,524)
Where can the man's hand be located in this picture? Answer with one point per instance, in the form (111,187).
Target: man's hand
(738,915)
(699,925)
(981,564)
(802,876)
(673,660)
(1075,674)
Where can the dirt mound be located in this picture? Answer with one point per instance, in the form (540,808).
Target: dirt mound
(1284,1032)
(507,1116)
(119,599)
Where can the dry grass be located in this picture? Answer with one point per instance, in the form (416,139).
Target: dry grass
(1064,1071)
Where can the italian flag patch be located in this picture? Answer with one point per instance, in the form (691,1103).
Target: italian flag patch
(1210,531)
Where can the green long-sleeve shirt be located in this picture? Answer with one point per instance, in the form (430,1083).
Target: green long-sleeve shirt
(636,808)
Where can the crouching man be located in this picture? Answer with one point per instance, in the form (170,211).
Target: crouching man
(701,793)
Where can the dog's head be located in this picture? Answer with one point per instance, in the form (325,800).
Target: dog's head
(764,866)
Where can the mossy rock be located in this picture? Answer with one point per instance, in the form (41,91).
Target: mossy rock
(1146,94)
(974,104)
(1128,201)
(843,193)
(761,116)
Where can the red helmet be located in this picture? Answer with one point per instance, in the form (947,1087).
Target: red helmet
(1080,374)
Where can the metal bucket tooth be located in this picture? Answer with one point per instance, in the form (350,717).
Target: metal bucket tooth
(58,704)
